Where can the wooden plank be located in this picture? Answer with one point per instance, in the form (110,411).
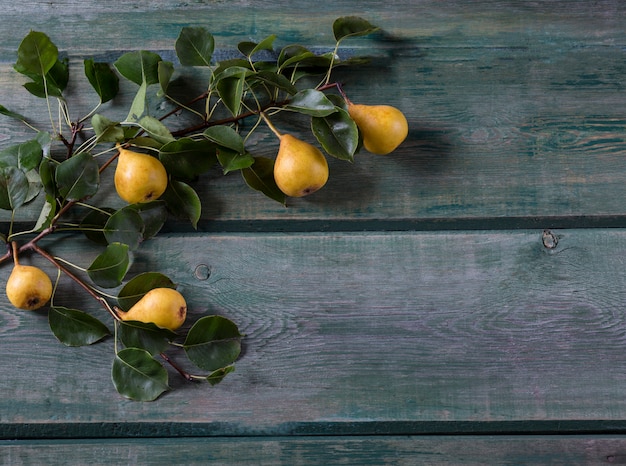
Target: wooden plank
(355,333)
(515,109)
(405,450)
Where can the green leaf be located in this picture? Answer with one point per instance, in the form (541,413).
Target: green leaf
(187,158)
(260,177)
(75,328)
(125,226)
(36,54)
(231,160)
(311,102)
(337,133)
(351,26)
(166,71)
(134,290)
(153,214)
(225,136)
(230,86)
(218,375)
(183,201)
(250,48)
(6,112)
(93,224)
(34,185)
(103,79)
(138,376)
(139,67)
(48,211)
(14,188)
(276,80)
(194,46)
(107,130)
(110,267)
(157,130)
(213,342)
(292,53)
(146,336)
(26,156)
(77,177)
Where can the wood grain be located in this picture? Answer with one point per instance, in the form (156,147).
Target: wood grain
(353,331)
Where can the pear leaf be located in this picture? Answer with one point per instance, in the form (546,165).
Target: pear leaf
(36,54)
(110,267)
(230,85)
(225,136)
(157,130)
(26,155)
(6,112)
(218,375)
(213,342)
(153,214)
(138,376)
(124,226)
(194,46)
(183,201)
(352,26)
(77,177)
(138,106)
(166,71)
(337,133)
(106,130)
(146,336)
(134,290)
(75,328)
(250,48)
(14,188)
(54,82)
(103,79)
(93,224)
(260,177)
(311,102)
(139,67)
(187,158)
(231,160)
(276,80)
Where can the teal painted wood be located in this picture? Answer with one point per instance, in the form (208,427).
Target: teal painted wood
(355,334)
(515,109)
(394,450)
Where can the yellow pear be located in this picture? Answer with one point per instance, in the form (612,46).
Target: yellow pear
(28,287)
(139,177)
(164,307)
(300,168)
(383,127)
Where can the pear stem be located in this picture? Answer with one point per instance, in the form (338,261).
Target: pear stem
(271,125)
(14,249)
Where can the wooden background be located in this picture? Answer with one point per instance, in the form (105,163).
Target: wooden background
(408,313)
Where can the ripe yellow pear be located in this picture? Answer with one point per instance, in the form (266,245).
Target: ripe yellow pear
(300,168)
(139,177)
(383,127)
(164,307)
(28,287)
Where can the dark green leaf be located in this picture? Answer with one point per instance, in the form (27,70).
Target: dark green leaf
(231,160)
(77,177)
(48,211)
(93,224)
(138,106)
(47,170)
(107,130)
(110,267)
(183,201)
(225,136)
(134,290)
(213,342)
(157,130)
(311,102)
(347,26)
(292,53)
(125,226)
(187,158)
(139,67)
(153,214)
(276,80)
(36,54)
(75,328)
(55,81)
(250,48)
(230,86)
(6,112)
(194,46)
(260,176)
(337,133)
(146,336)
(218,375)
(34,185)
(14,188)
(166,71)
(138,376)
(103,79)
(25,156)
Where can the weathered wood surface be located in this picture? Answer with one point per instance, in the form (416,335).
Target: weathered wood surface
(517,124)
